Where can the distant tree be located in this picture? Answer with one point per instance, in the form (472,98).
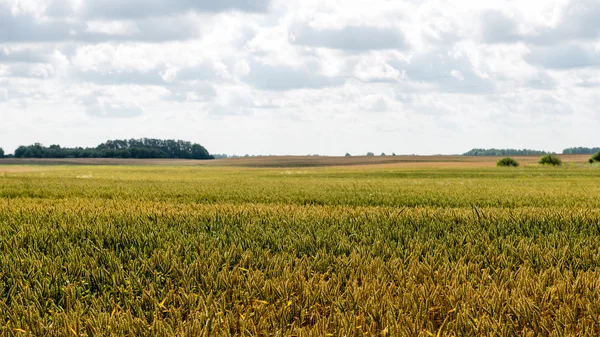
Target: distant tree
(393,154)
(383,154)
(591,161)
(595,157)
(370,154)
(348,154)
(1,153)
(199,152)
(20,151)
(550,159)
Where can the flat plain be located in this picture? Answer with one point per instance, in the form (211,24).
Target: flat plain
(300,246)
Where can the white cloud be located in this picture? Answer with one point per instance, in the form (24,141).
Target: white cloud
(113,27)
(302,76)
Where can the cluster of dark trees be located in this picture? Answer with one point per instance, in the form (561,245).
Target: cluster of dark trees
(132,148)
(527,152)
(1,153)
(581,150)
(504,152)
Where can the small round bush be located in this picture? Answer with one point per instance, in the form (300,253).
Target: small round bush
(595,157)
(550,159)
(507,162)
(591,161)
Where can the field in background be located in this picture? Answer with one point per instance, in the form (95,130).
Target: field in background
(418,248)
(300,161)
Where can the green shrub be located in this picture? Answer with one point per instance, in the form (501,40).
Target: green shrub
(595,157)
(508,161)
(550,159)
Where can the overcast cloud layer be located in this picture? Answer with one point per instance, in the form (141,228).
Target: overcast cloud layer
(302,76)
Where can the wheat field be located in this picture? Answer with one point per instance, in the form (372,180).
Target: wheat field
(375,250)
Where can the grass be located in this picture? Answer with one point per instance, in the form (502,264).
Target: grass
(370,250)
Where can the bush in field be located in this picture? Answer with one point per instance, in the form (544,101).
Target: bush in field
(1,153)
(507,162)
(595,157)
(550,159)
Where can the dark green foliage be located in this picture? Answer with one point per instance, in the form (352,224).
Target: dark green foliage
(595,157)
(145,148)
(348,155)
(581,150)
(370,154)
(503,152)
(591,161)
(1,153)
(550,160)
(507,162)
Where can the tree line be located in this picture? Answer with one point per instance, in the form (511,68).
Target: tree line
(527,152)
(145,148)
(504,152)
(581,150)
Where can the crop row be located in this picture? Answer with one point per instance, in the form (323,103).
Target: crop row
(83,266)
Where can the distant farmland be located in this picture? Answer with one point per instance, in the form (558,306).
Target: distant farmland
(298,161)
(283,246)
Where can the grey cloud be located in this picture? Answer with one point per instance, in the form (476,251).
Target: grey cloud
(579,21)
(218,111)
(547,105)
(35,70)
(23,56)
(59,8)
(435,68)
(155,29)
(200,92)
(198,73)
(281,78)
(563,56)
(24,28)
(351,38)
(379,105)
(150,77)
(119,9)
(542,82)
(586,83)
(496,27)
(109,107)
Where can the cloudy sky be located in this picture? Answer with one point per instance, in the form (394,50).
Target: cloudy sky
(302,76)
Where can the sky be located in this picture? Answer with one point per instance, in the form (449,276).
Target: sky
(296,77)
